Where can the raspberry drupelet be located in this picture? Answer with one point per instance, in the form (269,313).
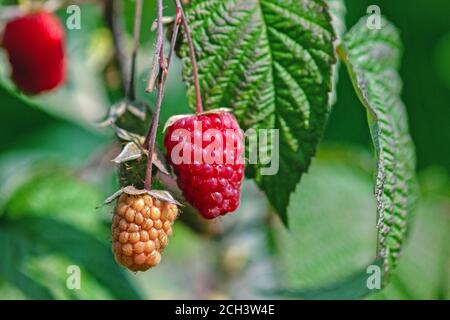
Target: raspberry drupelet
(205,152)
(141,229)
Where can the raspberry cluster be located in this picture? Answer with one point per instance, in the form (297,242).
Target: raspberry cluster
(141,229)
(35,46)
(211,184)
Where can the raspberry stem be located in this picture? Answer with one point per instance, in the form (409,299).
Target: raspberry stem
(161,77)
(158,76)
(187,33)
(158,54)
(161,83)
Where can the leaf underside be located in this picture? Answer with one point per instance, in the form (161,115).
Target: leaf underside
(271,62)
(373,57)
(338,12)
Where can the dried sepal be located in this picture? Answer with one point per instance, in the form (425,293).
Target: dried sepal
(115,112)
(166,20)
(128,136)
(162,195)
(118,111)
(131,151)
(134,150)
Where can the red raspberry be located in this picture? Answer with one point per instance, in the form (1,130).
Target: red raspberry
(210,170)
(35,47)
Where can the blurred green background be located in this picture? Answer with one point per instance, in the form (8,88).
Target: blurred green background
(55,172)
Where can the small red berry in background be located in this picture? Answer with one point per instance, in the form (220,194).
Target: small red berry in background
(211,187)
(35,46)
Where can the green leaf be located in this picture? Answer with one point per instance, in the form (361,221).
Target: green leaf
(60,195)
(271,62)
(373,58)
(28,237)
(14,248)
(338,11)
(83,249)
(423,272)
(31,288)
(57,193)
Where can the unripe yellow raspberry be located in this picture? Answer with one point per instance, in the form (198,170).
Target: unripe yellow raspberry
(141,227)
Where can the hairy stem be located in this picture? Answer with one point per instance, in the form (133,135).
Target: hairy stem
(159,45)
(158,59)
(158,76)
(163,69)
(187,34)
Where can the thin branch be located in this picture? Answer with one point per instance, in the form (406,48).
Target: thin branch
(187,33)
(176,28)
(112,13)
(158,60)
(158,75)
(156,63)
(161,77)
(131,92)
(152,138)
